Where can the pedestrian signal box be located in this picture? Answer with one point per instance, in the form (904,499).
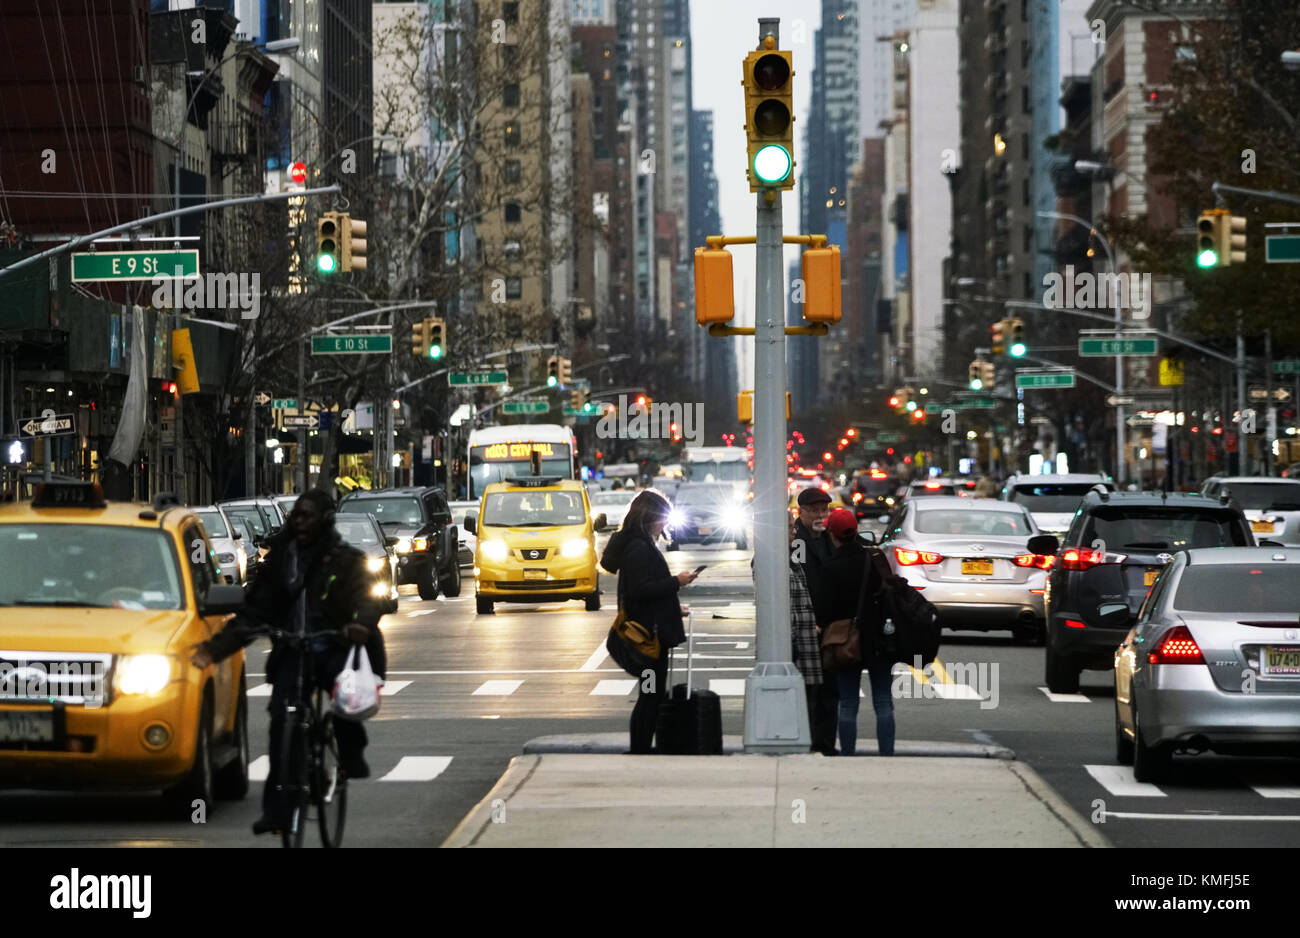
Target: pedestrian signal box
(821,281)
(715,299)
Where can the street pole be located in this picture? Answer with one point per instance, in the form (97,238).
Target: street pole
(1243,451)
(1120,441)
(776,707)
(304,459)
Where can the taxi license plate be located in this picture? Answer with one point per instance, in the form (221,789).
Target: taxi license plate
(1149,577)
(1281,660)
(1262,527)
(977,567)
(26,726)
(534,574)
(706,530)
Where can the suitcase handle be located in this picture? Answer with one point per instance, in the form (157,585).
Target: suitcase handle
(672,656)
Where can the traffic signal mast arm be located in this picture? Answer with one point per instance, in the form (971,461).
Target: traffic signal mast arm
(707,257)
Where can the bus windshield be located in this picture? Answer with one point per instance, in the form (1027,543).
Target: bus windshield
(496,462)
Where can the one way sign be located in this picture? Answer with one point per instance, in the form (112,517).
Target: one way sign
(48,424)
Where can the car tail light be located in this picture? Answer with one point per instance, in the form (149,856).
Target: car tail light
(932,485)
(911,558)
(1041,561)
(1074,624)
(879,474)
(1081,558)
(857,497)
(1177,647)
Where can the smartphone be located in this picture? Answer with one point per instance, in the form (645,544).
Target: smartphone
(701,567)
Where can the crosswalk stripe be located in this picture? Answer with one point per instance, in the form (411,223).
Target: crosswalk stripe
(497,688)
(1064,698)
(596,659)
(417,769)
(1276,791)
(613,688)
(261,690)
(1119,781)
(956,692)
(727,686)
(259,768)
(392,687)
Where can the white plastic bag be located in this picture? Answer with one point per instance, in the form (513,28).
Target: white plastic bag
(356,689)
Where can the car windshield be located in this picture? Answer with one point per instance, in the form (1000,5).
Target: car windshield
(976,523)
(87,565)
(1165,529)
(214,523)
(533,509)
(1054,498)
(874,488)
(358,533)
(251,517)
(1266,496)
(705,494)
(613,498)
(1238,588)
(403,510)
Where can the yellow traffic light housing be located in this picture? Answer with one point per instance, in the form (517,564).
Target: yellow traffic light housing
(745,407)
(769,117)
(566,371)
(437,338)
(998,336)
(988,374)
(1234,239)
(352,243)
(1015,334)
(575,399)
(821,280)
(975,376)
(328,251)
(715,298)
(420,338)
(1207,239)
(552,371)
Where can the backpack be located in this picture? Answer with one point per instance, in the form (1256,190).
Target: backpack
(916,621)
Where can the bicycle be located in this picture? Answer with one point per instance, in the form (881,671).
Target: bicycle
(310,770)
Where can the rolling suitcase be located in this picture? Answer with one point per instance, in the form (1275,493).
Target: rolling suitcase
(690,721)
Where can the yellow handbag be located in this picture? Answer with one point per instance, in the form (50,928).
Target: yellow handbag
(635,635)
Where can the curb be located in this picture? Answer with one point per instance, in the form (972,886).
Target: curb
(479,817)
(616,744)
(1088,834)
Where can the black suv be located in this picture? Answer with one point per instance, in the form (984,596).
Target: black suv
(427,541)
(1115,548)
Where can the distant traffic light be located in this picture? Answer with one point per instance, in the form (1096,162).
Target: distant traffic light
(975,379)
(1220,239)
(352,243)
(998,337)
(420,338)
(1016,336)
(918,415)
(1235,240)
(988,374)
(327,243)
(552,371)
(566,372)
(575,399)
(1207,239)
(437,338)
(769,117)
(745,406)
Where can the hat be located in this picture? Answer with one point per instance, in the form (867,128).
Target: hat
(842,523)
(813,496)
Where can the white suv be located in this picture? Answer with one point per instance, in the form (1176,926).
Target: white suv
(1052,500)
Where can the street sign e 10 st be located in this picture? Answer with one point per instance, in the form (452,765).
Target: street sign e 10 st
(350,344)
(1120,346)
(1051,379)
(284,403)
(135,265)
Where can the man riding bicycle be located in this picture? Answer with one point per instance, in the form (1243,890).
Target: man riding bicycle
(311,581)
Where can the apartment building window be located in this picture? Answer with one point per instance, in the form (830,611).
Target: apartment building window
(512,135)
(514,288)
(1025,106)
(509,56)
(512,172)
(1027,239)
(514,214)
(1024,146)
(510,95)
(510,11)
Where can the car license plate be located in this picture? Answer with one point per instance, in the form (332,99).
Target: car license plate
(534,574)
(1262,527)
(1149,577)
(26,726)
(977,567)
(1281,660)
(704,530)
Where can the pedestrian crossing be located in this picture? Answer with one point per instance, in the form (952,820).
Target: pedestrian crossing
(1118,780)
(407,769)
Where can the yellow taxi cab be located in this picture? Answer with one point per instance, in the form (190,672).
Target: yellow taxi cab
(536,543)
(99,604)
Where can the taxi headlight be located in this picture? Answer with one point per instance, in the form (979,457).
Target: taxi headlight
(577,547)
(403,545)
(144,674)
(380,590)
(494,550)
(375,564)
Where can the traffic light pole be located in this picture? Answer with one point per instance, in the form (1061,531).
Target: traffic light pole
(776,708)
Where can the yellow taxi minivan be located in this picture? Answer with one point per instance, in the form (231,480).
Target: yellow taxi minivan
(99,604)
(535,543)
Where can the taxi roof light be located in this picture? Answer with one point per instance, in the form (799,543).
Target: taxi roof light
(533,481)
(69,494)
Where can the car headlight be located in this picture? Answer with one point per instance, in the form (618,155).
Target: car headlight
(379,590)
(375,564)
(734,518)
(419,543)
(577,547)
(493,550)
(144,674)
(225,558)
(403,545)
(676,519)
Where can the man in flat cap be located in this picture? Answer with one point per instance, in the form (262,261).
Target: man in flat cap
(810,548)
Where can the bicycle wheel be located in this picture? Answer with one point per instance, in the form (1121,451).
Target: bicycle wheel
(295,792)
(329,783)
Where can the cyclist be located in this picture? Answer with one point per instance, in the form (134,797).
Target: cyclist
(310,581)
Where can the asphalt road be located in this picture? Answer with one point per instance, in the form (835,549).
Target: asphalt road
(466,692)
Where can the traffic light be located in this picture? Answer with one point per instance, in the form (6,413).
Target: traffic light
(437,338)
(327,243)
(1016,336)
(1208,251)
(998,337)
(552,371)
(566,373)
(715,299)
(821,278)
(575,399)
(918,415)
(769,117)
(584,400)
(976,376)
(988,374)
(352,241)
(1234,240)
(420,338)
(901,398)
(745,406)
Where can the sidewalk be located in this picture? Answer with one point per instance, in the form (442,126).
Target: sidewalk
(588,799)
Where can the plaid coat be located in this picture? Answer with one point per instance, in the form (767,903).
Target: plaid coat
(803,628)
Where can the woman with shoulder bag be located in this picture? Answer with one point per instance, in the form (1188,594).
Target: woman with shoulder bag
(648,595)
(843,595)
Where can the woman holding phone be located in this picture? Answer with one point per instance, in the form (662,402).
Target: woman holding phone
(647,593)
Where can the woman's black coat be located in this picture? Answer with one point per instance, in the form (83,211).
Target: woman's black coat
(647,591)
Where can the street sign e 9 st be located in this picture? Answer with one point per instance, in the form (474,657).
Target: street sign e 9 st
(1054,379)
(134,265)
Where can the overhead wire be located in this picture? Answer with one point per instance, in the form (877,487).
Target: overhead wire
(63,119)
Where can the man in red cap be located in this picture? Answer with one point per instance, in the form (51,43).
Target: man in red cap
(811,550)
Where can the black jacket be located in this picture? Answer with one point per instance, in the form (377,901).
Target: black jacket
(841,589)
(647,591)
(337,591)
(817,553)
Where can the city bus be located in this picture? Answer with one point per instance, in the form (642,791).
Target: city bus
(717,464)
(499,453)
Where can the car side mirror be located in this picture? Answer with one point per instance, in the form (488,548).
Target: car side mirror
(391,540)
(1112,615)
(868,537)
(221,599)
(471,525)
(600,522)
(1045,544)
(236,536)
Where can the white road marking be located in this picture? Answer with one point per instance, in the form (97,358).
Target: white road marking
(1276,791)
(420,612)
(259,769)
(417,769)
(497,688)
(608,688)
(1119,781)
(1064,698)
(392,687)
(1138,816)
(261,690)
(956,692)
(596,660)
(727,686)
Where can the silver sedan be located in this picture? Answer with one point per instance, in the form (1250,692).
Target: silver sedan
(1213,660)
(970,558)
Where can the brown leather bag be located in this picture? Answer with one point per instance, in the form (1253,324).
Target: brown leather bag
(841,646)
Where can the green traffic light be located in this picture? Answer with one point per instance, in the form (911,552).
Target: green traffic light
(1018,349)
(325,263)
(911,405)
(976,384)
(772,163)
(552,381)
(1207,258)
(435,351)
